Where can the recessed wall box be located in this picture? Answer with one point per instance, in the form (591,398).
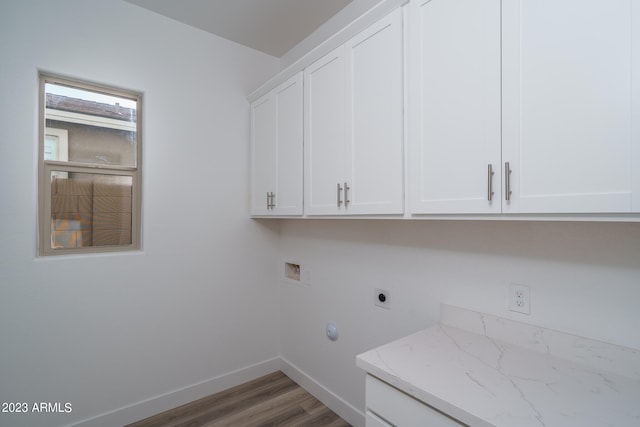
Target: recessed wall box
(292,271)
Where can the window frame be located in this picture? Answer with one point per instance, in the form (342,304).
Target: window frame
(45,167)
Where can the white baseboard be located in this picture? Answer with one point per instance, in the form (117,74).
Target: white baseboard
(338,405)
(146,408)
(155,405)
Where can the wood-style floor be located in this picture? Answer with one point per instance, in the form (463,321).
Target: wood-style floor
(272,400)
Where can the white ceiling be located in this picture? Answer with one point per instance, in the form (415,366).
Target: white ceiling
(271,26)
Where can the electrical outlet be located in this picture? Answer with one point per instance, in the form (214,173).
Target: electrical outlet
(520,298)
(381,298)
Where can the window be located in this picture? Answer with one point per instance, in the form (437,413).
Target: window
(89,168)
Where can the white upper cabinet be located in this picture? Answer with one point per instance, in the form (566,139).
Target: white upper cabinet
(454,93)
(325,133)
(528,108)
(263,160)
(554,112)
(375,153)
(571,91)
(276,150)
(354,125)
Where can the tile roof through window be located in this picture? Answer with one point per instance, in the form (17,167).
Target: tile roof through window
(93,108)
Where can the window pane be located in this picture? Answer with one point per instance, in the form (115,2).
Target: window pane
(99,128)
(51,151)
(90,210)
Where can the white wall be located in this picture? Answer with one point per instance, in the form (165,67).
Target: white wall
(584,279)
(106,331)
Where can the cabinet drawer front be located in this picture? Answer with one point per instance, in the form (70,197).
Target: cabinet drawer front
(372,420)
(400,409)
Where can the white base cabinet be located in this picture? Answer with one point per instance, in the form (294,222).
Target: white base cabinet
(388,406)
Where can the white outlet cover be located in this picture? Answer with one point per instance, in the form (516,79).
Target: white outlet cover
(520,298)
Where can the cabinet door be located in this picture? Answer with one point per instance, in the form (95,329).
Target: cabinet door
(570,105)
(288,156)
(455,106)
(374,152)
(325,133)
(263,153)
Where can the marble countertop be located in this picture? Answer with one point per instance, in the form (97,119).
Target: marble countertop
(488,371)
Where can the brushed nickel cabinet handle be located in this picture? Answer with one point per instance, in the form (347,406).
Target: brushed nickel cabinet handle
(270,203)
(490,174)
(507,181)
(339,189)
(346,194)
